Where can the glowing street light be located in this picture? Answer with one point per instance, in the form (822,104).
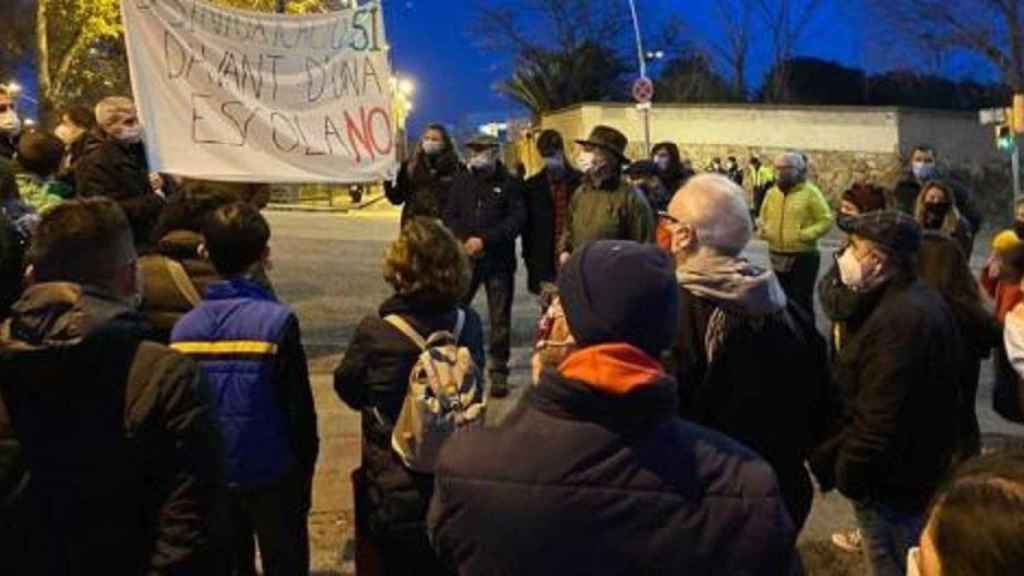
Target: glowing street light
(406,86)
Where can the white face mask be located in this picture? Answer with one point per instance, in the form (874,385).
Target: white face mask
(432,147)
(588,162)
(131,134)
(850,270)
(663,161)
(854,275)
(482,161)
(10,123)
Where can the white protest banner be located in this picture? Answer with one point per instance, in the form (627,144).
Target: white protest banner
(245,96)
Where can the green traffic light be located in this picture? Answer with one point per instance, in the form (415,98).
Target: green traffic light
(1005,138)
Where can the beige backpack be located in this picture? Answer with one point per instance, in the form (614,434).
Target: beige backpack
(446,394)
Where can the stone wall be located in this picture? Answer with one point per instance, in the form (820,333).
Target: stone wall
(843,143)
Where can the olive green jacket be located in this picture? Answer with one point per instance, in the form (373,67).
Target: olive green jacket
(606,214)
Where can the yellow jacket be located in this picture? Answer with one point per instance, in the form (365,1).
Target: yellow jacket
(793,222)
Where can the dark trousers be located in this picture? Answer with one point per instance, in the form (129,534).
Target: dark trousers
(888,536)
(276,517)
(799,279)
(500,283)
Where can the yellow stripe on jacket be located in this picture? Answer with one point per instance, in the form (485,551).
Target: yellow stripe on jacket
(226,347)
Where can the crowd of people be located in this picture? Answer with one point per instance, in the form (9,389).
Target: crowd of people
(156,413)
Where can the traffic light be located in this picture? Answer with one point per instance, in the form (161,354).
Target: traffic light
(1005,138)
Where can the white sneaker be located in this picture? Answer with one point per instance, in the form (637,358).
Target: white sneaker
(851,540)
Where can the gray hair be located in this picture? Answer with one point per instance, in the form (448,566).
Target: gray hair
(794,159)
(714,205)
(111,107)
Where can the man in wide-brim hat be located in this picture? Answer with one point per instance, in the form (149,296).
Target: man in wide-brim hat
(605,207)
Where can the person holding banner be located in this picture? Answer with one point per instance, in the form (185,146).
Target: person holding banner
(424,180)
(114,162)
(486,213)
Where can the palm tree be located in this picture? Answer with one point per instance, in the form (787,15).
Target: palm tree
(546,80)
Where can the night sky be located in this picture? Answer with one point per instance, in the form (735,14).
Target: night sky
(432,42)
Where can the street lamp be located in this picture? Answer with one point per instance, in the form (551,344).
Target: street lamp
(406,87)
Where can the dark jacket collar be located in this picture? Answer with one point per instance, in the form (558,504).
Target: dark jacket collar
(425,167)
(57,314)
(415,304)
(238,287)
(569,175)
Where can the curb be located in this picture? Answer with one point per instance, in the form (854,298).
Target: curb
(366,203)
(305,208)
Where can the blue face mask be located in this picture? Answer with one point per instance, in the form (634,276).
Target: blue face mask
(923,170)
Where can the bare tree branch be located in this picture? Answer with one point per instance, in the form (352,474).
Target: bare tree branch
(991,29)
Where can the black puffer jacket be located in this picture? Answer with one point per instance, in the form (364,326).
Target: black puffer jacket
(581,482)
(900,375)
(109,461)
(423,184)
(373,378)
(489,206)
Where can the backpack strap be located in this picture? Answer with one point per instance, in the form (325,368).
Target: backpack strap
(460,323)
(404,327)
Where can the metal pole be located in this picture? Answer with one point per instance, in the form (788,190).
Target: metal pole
(639,41)
(647,129)
(645,112)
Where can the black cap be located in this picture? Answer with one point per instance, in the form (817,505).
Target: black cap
(889,229)
(620,291)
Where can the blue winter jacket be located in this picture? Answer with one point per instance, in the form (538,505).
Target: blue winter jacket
(235,334)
